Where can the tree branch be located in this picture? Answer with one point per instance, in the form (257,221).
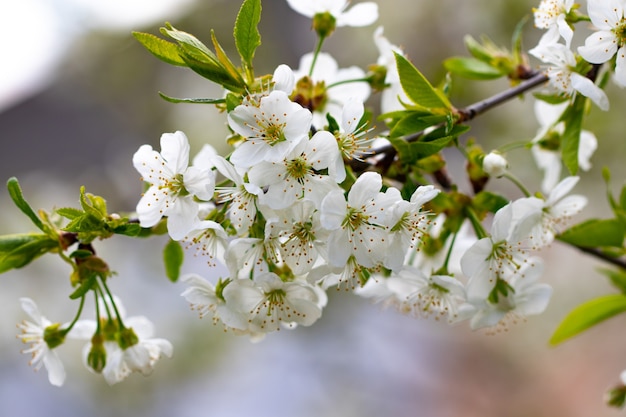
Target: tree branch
(466,114)
(619,262)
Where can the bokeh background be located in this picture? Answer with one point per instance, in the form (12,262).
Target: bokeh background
(78,96)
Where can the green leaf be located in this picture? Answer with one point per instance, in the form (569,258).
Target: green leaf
(488,201)
(15,191)
(173,257)
(192,100)
(415,122)
(247,36)
(70,212)
(411,152)
(595,233)
(225,61)
(128,229)
(18,250)
(162,49)
(417,87)
(587,315)
(472,68)
(573,118)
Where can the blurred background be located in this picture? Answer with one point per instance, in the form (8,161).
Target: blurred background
(78,96)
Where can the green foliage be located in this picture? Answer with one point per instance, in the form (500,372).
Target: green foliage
(93,221)
(173,257)
(573,119)
(246,33)
(192,100)
(595,233)
(419,90)
(411,152)
(472,68)
(486,201)
(18,250)
(587,315)
(197,56)
(617,278)
(15,191)
(162,49)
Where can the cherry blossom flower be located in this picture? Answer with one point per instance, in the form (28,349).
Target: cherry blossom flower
(302,239)
(209,239)
(270,129)
(173,185)
(407,222)
(44,336)
(561,70)
(242,196)
(128,347)
(411,292)
(551,15)
(204,298)
(357,225)
(331,82)
(499,256)
(361,14)
(297,175)
(546,144)
(610,39)
(554,213)
(512,301)
(270,303)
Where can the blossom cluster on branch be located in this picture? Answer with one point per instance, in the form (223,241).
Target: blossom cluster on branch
(312,197)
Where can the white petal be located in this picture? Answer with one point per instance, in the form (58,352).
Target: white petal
(366,187)
(586,147)
(587,88)
(54,366)
(361,14)
(30,307)
(334,208)
(284,78)
(599,47)
(605,14)
(305,8)
(175,150)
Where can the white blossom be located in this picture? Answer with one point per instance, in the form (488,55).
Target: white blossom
(393,96)
(561,70)
(551,15)
(520,297)
(547,154)
(173,185)
(610,39)
(270,128)
(271,303)
(43,354)
(297,176)
(361,14)
(337,91)
(495,164)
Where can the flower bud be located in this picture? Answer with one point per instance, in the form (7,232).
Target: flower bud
(495,164)
(97,356)
(324,24)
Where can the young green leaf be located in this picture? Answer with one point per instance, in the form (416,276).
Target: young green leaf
(173,257)
(162,49)
(192,100)
(572,117)
(18,250)
(418,89)
(225,61)
(587,315)
(595,233)
(472,68)
(15,191)
(246,33)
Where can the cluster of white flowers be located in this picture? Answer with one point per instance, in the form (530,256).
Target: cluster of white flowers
(117,346)
(288,219)
(567,72)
